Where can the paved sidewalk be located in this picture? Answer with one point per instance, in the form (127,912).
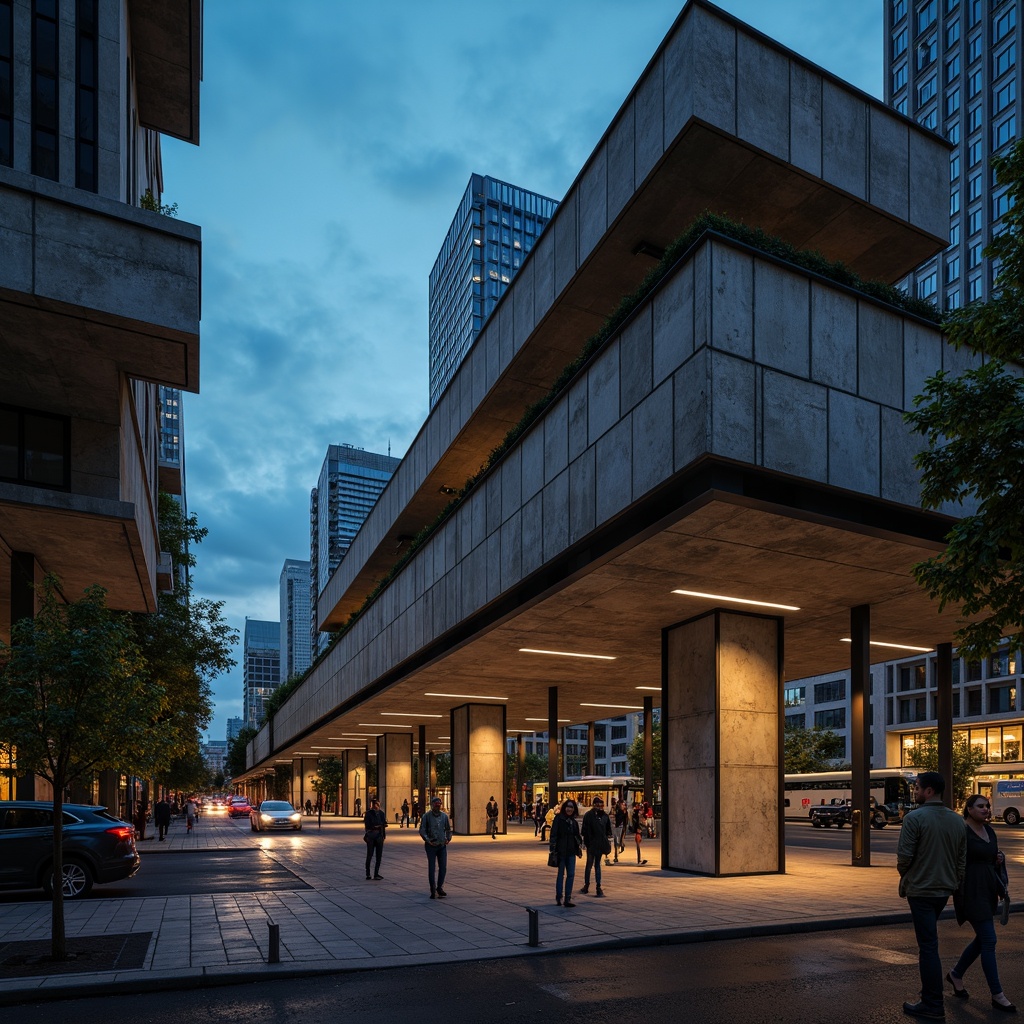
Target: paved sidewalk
(344,922)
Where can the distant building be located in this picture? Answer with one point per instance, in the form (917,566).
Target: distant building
(953,67)
(234,728)
(261,667)
(493,230)
(612,739)
(350,483)
(214,752)
(295,619)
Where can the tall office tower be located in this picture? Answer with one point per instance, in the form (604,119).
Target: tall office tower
(99,298)
(493,230)
(261,667)
(234,727)
(295,634)
(350,482)
(954,67)
(214,752)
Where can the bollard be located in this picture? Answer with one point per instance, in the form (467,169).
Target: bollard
(274,950)
(534,939)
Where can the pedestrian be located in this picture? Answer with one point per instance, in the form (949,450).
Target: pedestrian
(567,844)
(549,820)
(621,820)
(309,807)
(374,825)
(175,808)
(436,833)
(190,814)
(359,808)
(538,816)
(931,859)
(162,818)
(416,813)
(982,889)
(404,823)
(638,838)
(492,818)
(597,838)
(649,820)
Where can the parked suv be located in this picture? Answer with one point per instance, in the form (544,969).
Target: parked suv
(98,847)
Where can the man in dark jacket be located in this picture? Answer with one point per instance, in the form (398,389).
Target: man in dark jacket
(597,837)
(162,817)
(492,818)
(374,824)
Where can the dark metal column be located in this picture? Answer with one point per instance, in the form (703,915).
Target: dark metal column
(944,715)
(860,734)
(553,777)
(520,770)
(649,750)
(421,770)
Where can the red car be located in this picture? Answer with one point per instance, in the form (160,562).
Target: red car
(239,807)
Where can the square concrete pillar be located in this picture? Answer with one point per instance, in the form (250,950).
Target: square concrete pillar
(303,768)
(394,772)
(354,763)
(478,766)
(722,745)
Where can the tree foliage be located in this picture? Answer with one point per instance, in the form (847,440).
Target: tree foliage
(76,698)
(234,762)
(967,759)
(330,774)
(973,426)
(635,754)
(811,750)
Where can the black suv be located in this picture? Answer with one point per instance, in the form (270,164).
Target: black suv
(98,847)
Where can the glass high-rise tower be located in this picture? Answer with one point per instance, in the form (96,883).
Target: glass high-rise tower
(295,631)
(493,230)
(954,66)
(261,667)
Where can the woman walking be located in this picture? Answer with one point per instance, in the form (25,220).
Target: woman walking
(982,888)
(567,844)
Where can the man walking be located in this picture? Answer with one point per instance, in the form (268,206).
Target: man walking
(375,823)
(597,838)
(162,817)
(492,818)
(436,833)
(931,859)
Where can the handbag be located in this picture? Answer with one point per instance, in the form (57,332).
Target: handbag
(552,859)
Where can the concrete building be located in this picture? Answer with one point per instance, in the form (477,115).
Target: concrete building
(295,618)
(261,667)
(494,229)
(214,752)
(99,299)
(234,727)
(954,66)
(350,481)
(728,476)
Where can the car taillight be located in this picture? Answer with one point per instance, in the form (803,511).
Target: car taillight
(121,831)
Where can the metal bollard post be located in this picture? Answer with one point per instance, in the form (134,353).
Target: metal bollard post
(534,939)
(274,950)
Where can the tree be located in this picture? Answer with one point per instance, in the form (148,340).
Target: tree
(76,698)
(330,774)
(635,754)
(967,759)
(973,425)
(443,768)
(234,762)
(811,750)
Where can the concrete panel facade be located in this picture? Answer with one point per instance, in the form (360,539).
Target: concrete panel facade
(394,771)
(478,766)
(722,745)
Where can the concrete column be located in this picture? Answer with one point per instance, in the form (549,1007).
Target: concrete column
(355,764)
(553,773)
(721,722)
(478,765)
(860,733)
(301,787)
(421,771)
(649,749)
(944,715)
(394,771)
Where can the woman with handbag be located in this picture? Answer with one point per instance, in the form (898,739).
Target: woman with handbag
(566,845)
(976,903)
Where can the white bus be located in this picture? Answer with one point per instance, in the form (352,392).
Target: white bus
(891,793)
(1008,800)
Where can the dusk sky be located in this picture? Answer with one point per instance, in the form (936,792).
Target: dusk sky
(337,139)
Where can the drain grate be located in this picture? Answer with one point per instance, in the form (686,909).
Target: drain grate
(86,954)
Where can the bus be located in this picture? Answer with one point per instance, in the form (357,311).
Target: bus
(891,793)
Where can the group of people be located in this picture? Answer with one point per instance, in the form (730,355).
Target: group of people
(408,811)
(435,829)
(940,855)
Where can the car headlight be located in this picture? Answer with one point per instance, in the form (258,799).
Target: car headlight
(296,817)
(267,817)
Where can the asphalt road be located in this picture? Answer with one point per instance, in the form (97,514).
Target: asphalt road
(855,976)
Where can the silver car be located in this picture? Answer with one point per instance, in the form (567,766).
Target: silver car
(274,814)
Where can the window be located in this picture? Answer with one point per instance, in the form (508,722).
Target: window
(954,233)
(974,187)
(930,120)
(1002,663)
(618,732)
(796,721)
(974,222)
(952,270)
(912,677)
(87,112)
(834,718)
(974,120)
(793,695)
(34,448)
(899,78)
(953,299)
(6,82)
(974,153)
(952,103)
(913,709)
(974,10)
(927,51)
(619,749)
(835,689)
(899,44)
(976,291)
(901,106)
(973,49)
(954,167)
(954,202)
(1004,97)
(951,5)
(44,89)
(952,33)
(1004,132)
(1001,205)
(1002,699)
(926,90)
(927,286)
(952,69)
(926,16)
(1005,24)
(899,10)
(953,133)
(974,84)
(1006,59)
(975,256)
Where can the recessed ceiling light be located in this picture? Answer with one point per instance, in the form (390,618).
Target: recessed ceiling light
(361,735)
(737,600)
(627,707)
(567,654)
(385,725)
(658,688)
(466,696)
(332,748)
(897,647)
(407,714)
(544,719)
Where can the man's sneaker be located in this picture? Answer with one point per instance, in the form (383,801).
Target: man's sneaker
(585,890)
(433,895)
(922,1011)
(441,892)
(600,892)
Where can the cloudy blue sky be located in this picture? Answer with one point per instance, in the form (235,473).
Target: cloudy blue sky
(337,140)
